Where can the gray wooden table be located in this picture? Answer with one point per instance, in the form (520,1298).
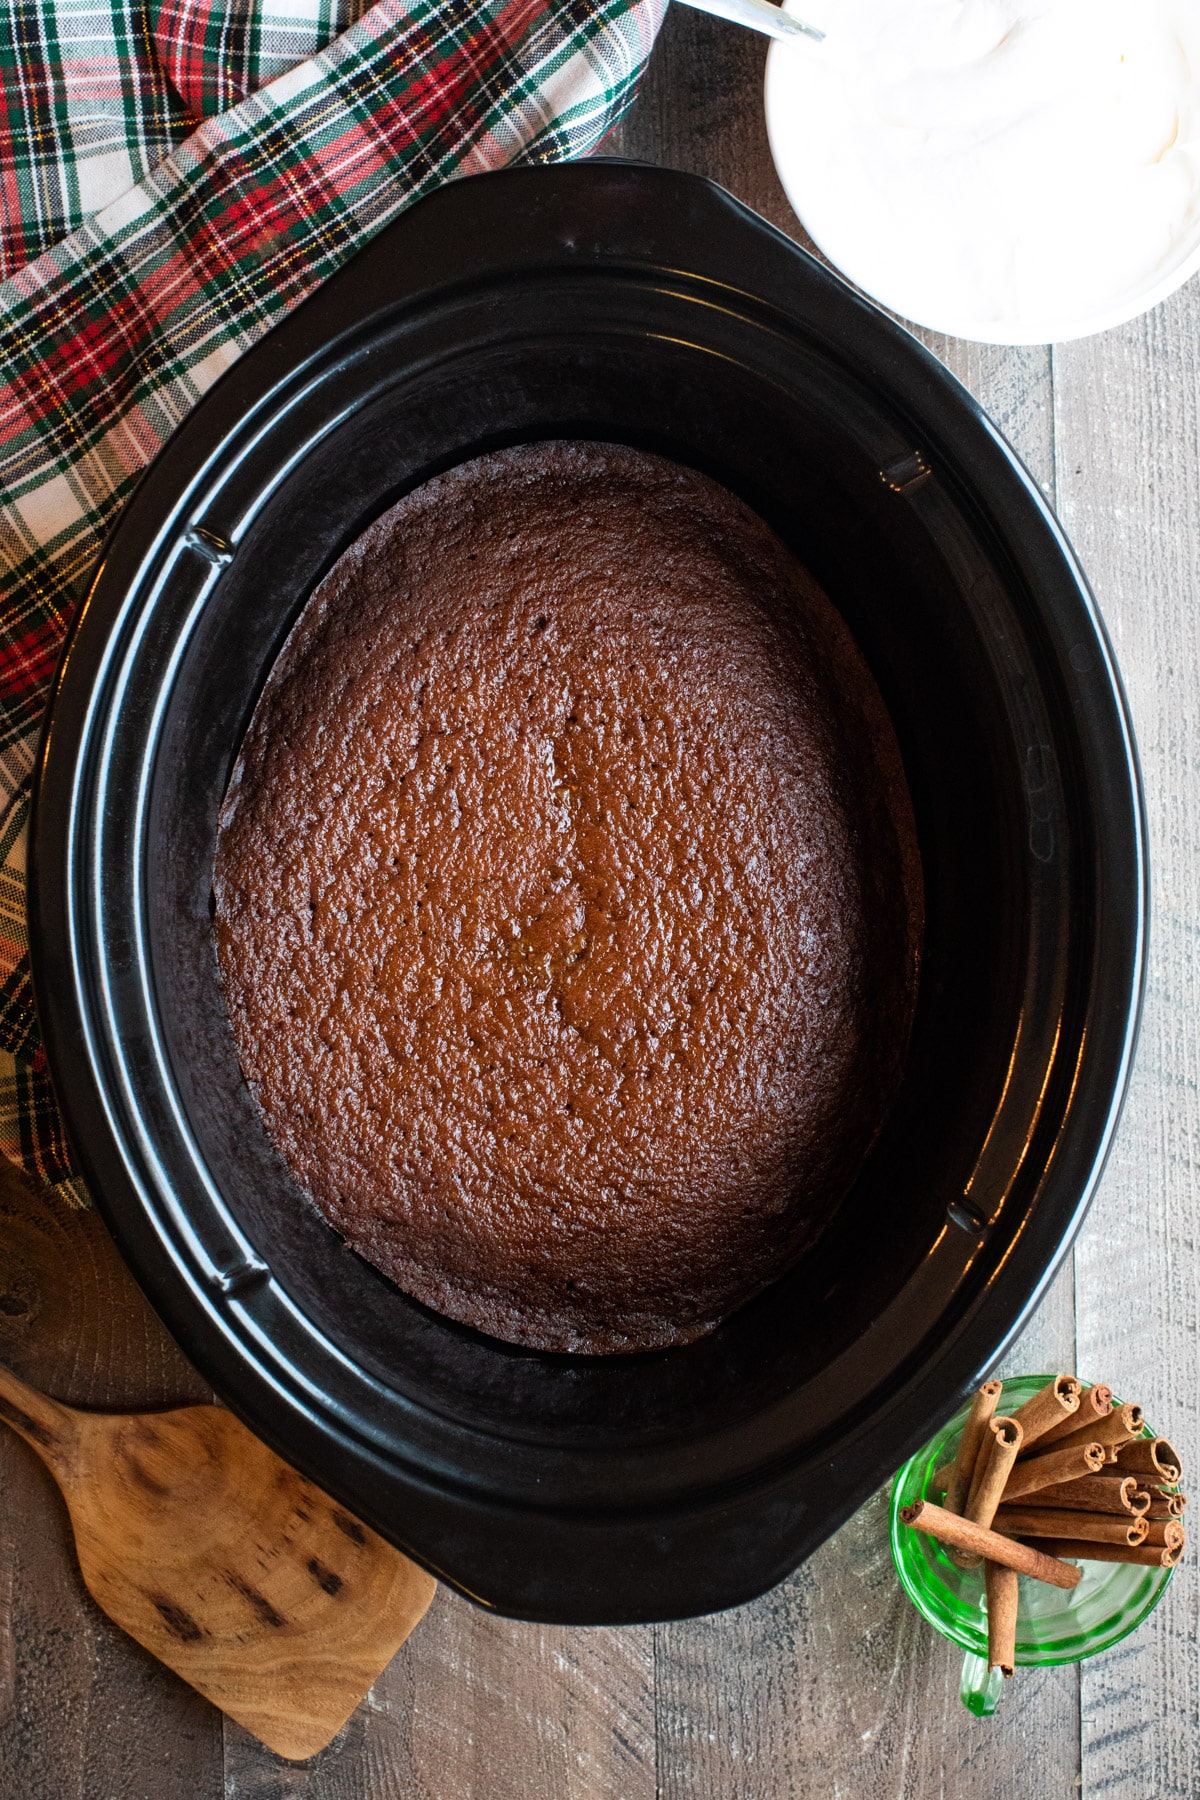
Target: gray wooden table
(829,1688)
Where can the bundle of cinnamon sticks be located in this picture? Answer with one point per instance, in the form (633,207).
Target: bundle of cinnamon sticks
(1071,1474)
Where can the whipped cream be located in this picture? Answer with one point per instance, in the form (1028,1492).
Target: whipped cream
(1012,170)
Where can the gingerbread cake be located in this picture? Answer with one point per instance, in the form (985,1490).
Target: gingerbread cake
(567,900)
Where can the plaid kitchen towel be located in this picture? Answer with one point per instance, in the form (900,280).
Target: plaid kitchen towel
(175,176)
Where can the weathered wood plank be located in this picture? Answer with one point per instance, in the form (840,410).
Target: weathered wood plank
(89,1715)
(535,1708)
(1128,423)
(700,109)
(480,1708)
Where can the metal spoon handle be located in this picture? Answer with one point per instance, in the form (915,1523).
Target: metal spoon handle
(759,15)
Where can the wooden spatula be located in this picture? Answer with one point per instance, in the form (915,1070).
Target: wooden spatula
(277,1604)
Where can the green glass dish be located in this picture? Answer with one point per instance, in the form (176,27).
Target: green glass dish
(1053,1626)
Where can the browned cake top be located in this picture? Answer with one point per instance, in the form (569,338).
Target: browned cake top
(566,901)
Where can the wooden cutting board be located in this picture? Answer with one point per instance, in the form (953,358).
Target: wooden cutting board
(273,1601)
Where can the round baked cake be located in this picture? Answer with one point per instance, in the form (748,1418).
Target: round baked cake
(567,900)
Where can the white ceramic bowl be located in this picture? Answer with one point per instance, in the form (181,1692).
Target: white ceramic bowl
(797,90)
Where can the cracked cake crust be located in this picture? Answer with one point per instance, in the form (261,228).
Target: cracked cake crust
(567,900)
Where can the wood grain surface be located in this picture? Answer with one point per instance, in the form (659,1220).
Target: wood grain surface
(1127,429)
(829,1688)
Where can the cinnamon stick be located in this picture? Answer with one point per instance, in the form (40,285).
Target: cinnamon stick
(1098,1493)
(1065,1464)
(1121,1425)
(1155,1457)
(1151,1556)
(1058,1522)
(992,1469)
(1166,1506)
(1095,1403)
(1169,1533)
(941,1478)
(1058,1400)
(1002,1594)
(964,1534)
(958,1483)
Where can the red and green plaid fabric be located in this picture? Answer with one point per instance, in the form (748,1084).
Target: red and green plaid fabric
(175,176)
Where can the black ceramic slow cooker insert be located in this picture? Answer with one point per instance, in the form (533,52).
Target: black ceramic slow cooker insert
(624,303)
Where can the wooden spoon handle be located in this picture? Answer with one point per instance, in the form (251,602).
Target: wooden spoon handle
(52,1430)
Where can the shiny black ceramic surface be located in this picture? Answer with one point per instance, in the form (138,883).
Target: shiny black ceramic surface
(617,302)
